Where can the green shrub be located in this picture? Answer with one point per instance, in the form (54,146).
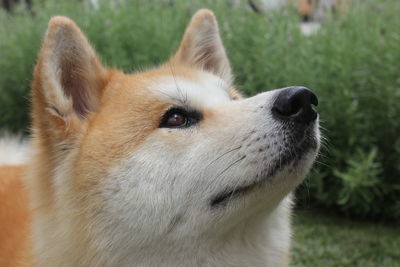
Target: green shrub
(353,64)
(357,78)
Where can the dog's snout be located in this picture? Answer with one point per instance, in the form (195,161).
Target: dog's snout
(294,103)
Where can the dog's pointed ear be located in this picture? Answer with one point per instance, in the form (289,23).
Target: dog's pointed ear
(68,77)
(202,46)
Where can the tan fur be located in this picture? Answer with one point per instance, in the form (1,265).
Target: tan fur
(122,105)
(15,218)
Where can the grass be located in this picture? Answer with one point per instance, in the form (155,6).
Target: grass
(326,240)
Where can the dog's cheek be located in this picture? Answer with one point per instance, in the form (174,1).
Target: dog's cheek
(145,187)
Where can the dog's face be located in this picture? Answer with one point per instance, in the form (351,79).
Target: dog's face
(169,154)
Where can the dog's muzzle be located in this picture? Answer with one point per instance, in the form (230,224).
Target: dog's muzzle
(293,138)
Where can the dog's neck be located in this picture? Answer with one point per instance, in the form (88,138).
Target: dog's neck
(262,240)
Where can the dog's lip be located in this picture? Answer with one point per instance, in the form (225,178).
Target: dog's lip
(223,197)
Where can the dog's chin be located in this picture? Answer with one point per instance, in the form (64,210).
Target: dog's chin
(291,163)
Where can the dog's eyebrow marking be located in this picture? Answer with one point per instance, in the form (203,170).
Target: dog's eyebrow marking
(195,94)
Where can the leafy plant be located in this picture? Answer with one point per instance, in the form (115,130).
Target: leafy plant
(361,185)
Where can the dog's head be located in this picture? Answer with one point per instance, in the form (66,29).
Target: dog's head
(167,154)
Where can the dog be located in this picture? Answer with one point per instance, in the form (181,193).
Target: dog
(166,167)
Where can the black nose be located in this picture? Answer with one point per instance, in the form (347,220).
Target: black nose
(294,103)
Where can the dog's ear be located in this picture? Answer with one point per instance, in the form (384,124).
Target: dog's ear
(68,78)
(202,46)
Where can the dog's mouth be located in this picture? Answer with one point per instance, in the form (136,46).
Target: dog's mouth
(222,198)
(295,152)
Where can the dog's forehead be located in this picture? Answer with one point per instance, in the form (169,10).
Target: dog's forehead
(200,91)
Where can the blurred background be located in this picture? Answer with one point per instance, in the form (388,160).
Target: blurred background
(347,51)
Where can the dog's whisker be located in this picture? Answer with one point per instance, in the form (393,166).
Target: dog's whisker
(216,159)
(183,99)
(174,99)
(223,154)
(227,168)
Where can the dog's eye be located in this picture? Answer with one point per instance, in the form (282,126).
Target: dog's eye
(176,120)
(179,118)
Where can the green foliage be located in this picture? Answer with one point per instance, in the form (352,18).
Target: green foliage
(352,64)
(360,183)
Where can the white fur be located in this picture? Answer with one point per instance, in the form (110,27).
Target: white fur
(13,150)
(205,93)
